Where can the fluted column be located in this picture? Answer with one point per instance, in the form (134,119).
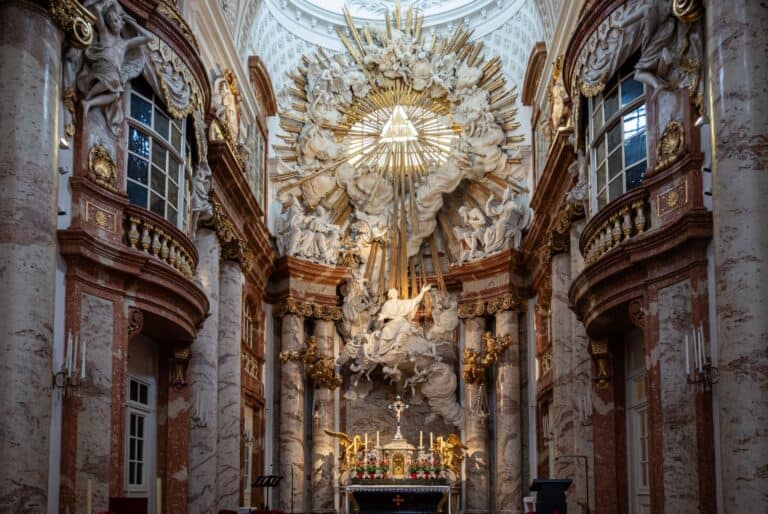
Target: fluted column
(509,478)
(737,43)
(30,67)
(322,443)
(478,494)
(203,382)
(229,386)
(292,398)
(563,400)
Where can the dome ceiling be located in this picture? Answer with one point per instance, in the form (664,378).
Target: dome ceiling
(285,29)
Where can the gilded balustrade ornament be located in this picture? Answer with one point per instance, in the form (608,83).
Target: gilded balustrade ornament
(306,310)
(74,19)
(510,301)
(476,363)
(319,368)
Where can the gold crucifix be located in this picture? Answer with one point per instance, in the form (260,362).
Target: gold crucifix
(398,406)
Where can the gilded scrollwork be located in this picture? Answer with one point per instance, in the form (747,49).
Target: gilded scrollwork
(306,310)
(510,301)
(319,368)
(74,19)
(168,9)
(477,363)
(102,167)
(670,145)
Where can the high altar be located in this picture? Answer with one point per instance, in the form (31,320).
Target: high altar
(399,476)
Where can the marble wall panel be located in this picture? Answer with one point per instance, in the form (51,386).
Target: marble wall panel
(94,414)
(678,408)
(203,383)
(229,386)
(30,63)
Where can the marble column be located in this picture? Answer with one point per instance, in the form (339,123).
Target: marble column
(478,499)
(563,400)
(322,443)
(509,466)
(292,398)
(203,382)
(737,44)
(581,363)
(30,67)
(228,446)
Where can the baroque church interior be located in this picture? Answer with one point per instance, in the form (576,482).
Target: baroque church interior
(372,256)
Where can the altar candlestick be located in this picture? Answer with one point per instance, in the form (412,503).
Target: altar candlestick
(82,365)
(421,439)
(378,442)
(687,360)
(89,497)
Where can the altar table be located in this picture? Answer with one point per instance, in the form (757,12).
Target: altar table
(398,498)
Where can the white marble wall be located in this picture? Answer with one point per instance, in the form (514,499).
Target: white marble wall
(678,406)
(509,466)
(478,499)
(292,432)
(738,85)
(229,421)
(30,65)
(202,376)
(322,444)
(94,415)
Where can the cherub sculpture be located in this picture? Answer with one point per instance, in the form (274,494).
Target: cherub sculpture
(349,449)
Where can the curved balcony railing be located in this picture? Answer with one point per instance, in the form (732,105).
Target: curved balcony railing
(153,235)
(615,224)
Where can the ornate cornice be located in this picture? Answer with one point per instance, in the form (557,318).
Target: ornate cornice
(306,309)
(510,301)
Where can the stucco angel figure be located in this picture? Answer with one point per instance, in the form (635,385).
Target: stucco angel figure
(291,226)
(510,217)
(470,235)
(658,43)
(111,61)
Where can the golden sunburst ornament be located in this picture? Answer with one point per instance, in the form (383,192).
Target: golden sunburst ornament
(383,132)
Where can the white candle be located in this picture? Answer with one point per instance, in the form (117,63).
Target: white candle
(159,497)
(431,443)
(421,439)
(82,366)
(355,445)
(88,497)
(378,442)
(687,359)
(68,360)
(366,440)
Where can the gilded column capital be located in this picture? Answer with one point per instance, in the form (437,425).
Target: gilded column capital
(306,309)
(509,301)
(74,19)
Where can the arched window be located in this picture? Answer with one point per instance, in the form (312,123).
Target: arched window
(159,157)
(617,141)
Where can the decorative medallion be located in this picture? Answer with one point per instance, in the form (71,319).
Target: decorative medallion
(102,167)
(135,321)
(672,199)
(103,218)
